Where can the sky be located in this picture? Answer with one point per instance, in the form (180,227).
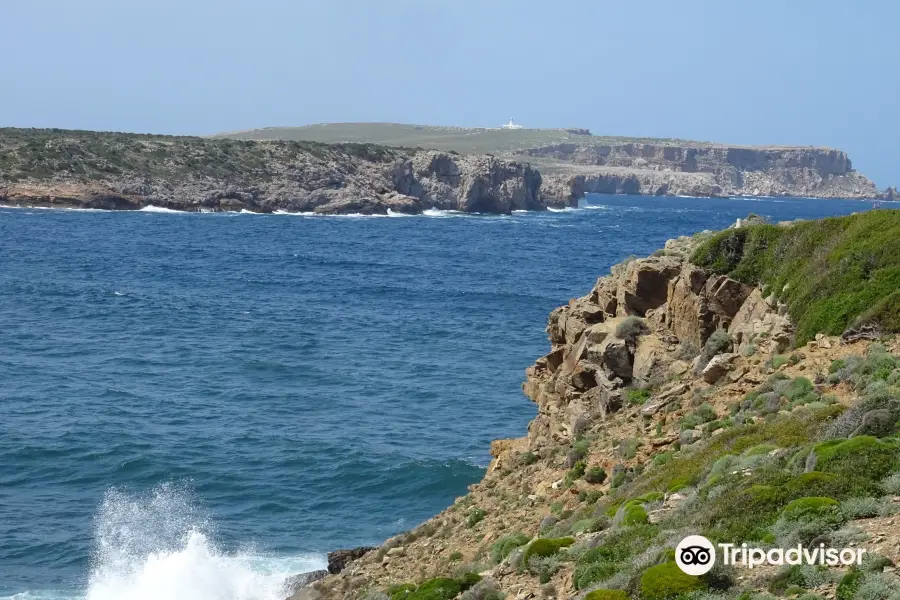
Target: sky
(793,72)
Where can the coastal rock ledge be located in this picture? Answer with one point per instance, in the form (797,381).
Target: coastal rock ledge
(78,169)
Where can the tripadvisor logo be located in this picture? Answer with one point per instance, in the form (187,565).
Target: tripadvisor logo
(696,555)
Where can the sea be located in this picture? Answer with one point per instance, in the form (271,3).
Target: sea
(195,406)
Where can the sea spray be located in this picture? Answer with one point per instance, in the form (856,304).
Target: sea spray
(159,545)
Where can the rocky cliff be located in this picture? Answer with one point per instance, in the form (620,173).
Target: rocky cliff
(669,404)
(125,171)
(707,170)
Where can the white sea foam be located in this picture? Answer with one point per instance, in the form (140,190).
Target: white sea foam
(160,209)
(442,214)
(160,546)
(295,214)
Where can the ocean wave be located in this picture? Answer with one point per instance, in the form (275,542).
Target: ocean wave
(161,546)
(442,214)
(160,209)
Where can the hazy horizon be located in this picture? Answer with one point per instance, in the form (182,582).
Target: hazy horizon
(802,73)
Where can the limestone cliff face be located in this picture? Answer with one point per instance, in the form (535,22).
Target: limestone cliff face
(124,171)
(591,362)
(657,169)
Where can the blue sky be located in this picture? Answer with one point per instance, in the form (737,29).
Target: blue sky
(764,72)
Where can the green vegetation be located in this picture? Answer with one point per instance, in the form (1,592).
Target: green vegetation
(833,273)
(439,588)
(613,556)
(596,475)
(475,517)
(606,595)
(458,139)
(545,547)
(638,396)
(718,342)
(89,156)
(502,547)
(810,506)
(864,456)
(667,581)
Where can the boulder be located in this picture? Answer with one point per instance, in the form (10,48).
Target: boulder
(614,356)
(648,358)
(645,284)
(663,399)
(584,377)
(339,559)
(604,295)
(725,297)
(293,583)
(751,312)
(606,398)
(717,367)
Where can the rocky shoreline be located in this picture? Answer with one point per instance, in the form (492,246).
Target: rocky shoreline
(50,168)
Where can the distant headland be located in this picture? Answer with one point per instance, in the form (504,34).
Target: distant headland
(376,168)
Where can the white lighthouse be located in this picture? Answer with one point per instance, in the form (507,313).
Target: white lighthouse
(511,125)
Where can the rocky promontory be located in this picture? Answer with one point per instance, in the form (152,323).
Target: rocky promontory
(127,171)
(574,161)
(685,394)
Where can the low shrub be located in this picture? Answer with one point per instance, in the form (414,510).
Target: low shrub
(636,396)
(846,589)
(595,475)
(811,506)
(475,517)
(440,588)
(401,591)
(606,595)
(502,547)
(860,508)
(630,329)
(543,547)
(667,581)
(717,343)
(864,456)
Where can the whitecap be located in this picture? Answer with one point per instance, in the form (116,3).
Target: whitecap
(442,214)
(161,546)
(296,214)
(160,209)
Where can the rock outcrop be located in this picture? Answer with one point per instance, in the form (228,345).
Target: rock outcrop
(589,367)
(124,171)
(339,559)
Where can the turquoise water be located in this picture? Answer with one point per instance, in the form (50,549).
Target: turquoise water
(194,405)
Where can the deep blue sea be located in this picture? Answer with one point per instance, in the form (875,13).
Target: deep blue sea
(194,405)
